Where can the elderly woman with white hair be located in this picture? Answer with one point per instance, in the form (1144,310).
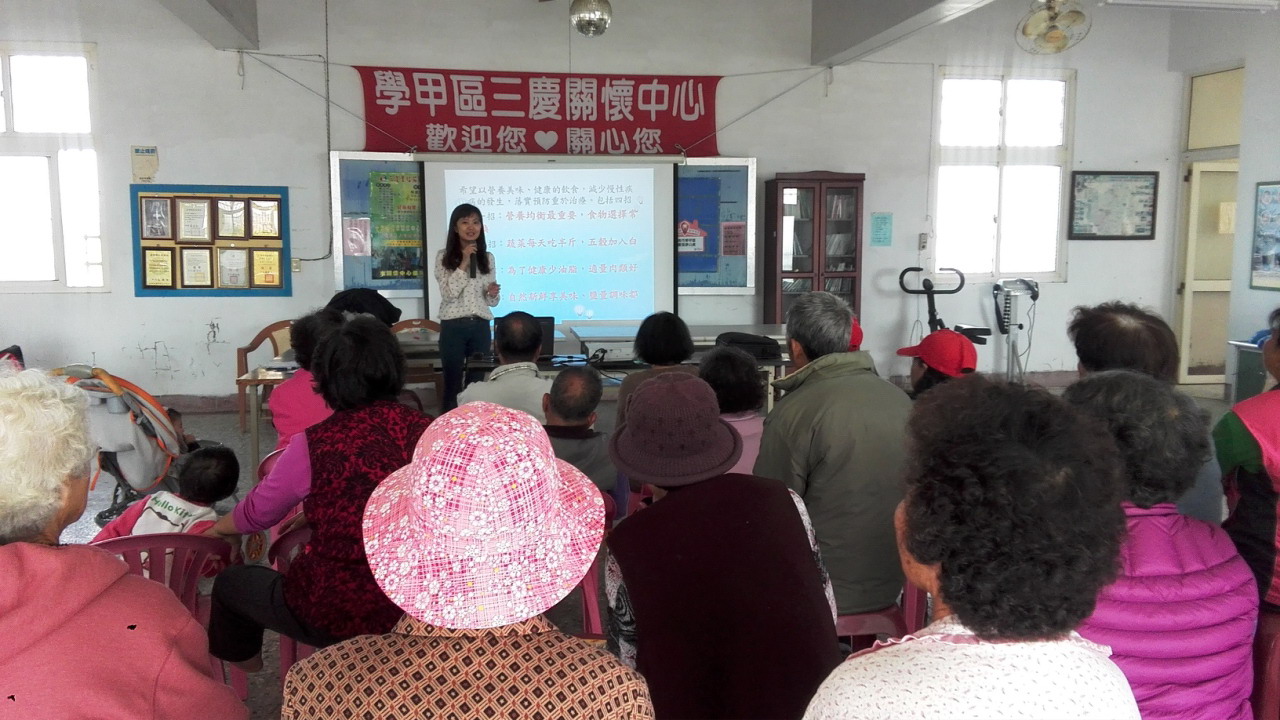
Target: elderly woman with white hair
(81,636)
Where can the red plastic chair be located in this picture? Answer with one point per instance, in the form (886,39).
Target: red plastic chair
(282,552)
(893,621)
(592,617)
(1266,667)
(187,557)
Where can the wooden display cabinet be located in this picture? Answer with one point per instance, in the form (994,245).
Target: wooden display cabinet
(813,239)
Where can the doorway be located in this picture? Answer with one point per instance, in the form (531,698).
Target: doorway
(1205,286)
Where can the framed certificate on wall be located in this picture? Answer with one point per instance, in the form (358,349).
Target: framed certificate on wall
(266,268)
(157,267)
(194,225)
(197,267)
(264,218)
(231,218)
(156,218)
(233,268)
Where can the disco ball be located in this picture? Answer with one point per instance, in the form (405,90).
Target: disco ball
(590,17)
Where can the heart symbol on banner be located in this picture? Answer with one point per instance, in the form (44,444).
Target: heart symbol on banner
(546,138)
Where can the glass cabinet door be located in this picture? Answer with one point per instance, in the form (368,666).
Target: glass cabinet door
(793,288)
(797,229)
(841,287)
(841,245)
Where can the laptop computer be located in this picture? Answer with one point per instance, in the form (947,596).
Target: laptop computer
(548,325)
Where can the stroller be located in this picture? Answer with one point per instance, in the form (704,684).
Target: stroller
(137,442)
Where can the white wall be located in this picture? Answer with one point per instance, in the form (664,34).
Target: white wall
(159,84)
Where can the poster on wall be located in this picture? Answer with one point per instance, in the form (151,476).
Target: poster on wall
(1265,264)
(356,238)
(395,204)
(715,226)
(480,111)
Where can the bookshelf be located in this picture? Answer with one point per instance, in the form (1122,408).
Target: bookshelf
(813,226)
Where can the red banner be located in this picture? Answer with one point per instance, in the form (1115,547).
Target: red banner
(523,113)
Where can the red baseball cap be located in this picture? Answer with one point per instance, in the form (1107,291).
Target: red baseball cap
(855,336)
(946,351)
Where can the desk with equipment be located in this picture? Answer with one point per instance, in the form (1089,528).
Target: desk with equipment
(574,345)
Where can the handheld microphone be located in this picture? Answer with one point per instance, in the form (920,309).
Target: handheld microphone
(473,265)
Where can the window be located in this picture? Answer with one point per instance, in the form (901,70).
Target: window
(1002,152)
(50,238)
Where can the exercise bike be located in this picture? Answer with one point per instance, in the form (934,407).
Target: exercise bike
(977,334)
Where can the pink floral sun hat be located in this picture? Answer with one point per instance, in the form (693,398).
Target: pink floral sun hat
(485,527)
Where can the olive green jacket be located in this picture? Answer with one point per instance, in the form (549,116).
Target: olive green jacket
(838,439)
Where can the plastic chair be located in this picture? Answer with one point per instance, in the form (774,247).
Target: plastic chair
(1266,667)
(187,555)
(278,334)
(268,462)
(592,617)
(893,621)
(417,374)
(282,552)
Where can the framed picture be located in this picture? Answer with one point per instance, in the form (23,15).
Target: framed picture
(231,218)
(1265,264)
(265,268)
(1113,205)
(233,268)
(197,267)
(194,222)
(264,218)
(157,267)
(156,218)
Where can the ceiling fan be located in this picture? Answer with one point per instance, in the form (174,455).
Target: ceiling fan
(1052,26)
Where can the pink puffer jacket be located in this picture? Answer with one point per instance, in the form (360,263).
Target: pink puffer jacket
(1180,619)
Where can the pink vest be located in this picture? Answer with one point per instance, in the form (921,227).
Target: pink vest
(1180,617)
(1261,416)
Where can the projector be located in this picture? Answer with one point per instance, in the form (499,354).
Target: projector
(614,350)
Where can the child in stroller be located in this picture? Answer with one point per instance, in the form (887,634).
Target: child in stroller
(208,475)
(138,443)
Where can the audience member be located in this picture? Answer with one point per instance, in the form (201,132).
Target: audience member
(331,467)
(208,475)
(1195,655)
(295,403)
(570,408)
(1247,439)
(474,562)
(1122,336)
(735,377)
(855,335)
(82,636)
(836,438)
(717,593)
(186,441)
(516,382)
(1012,523)
(940,356)
(365,301)
(663,343)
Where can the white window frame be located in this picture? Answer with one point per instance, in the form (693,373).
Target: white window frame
(1001,156)
(48,145)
